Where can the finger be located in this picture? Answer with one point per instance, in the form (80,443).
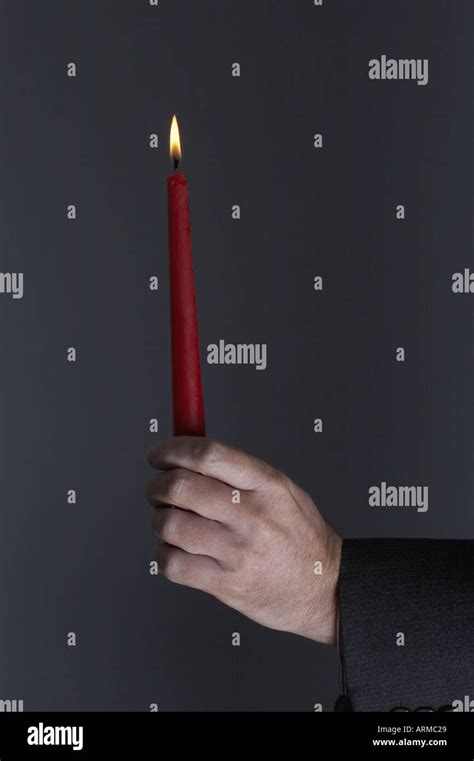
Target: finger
(194,571)
(189,532)
(191,491)
(211,458)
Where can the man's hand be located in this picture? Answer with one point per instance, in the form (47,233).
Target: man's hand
(243,532)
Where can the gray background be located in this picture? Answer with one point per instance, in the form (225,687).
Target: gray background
(247,141)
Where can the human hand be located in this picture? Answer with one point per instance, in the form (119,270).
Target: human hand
(246,534)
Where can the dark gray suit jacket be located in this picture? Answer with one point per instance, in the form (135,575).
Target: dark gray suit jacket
(406,623)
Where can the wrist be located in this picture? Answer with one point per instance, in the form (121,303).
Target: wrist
(323,610)
(329,605)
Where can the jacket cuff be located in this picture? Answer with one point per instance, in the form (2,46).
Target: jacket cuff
(406,617)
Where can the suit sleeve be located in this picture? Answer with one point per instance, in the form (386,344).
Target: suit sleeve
(406,623)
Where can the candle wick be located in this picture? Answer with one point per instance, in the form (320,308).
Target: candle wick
(176,163)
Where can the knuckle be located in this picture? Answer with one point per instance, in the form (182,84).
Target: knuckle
(264,525)
(281,481)
(175,486)
(170,527)
(175,567)
(260,520)
(210,450)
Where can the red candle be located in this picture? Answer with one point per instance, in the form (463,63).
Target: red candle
(188,404)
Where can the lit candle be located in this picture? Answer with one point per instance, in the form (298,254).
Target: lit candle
(188,404)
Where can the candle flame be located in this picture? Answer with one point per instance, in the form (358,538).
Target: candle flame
(175,141)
